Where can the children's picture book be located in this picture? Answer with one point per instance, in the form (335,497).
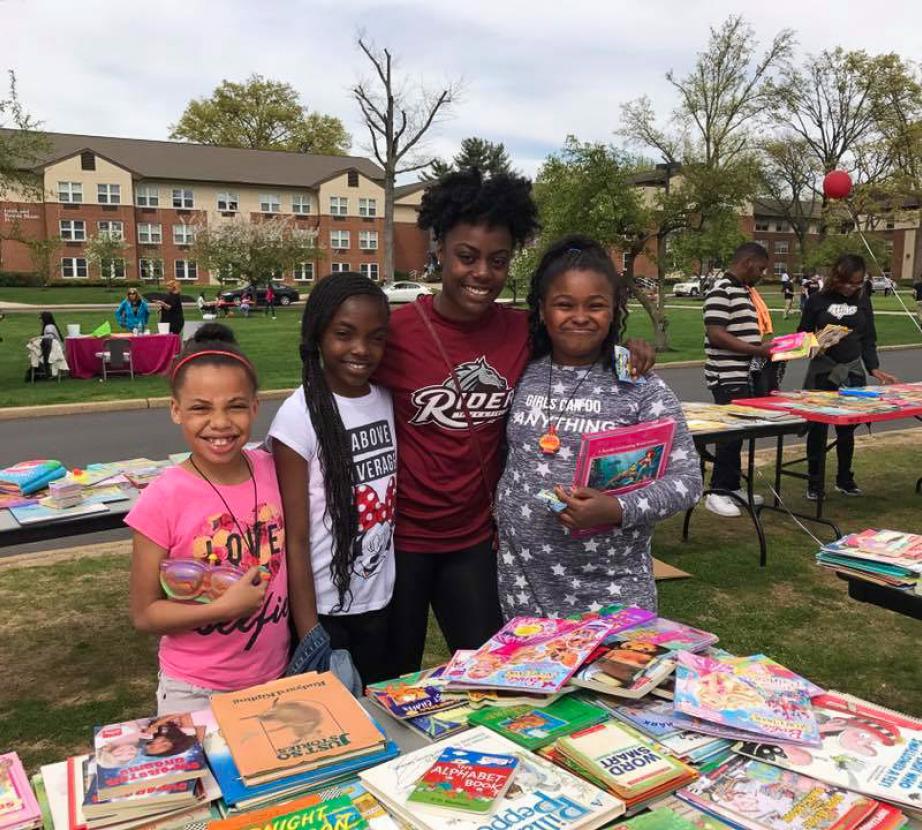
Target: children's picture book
(619,617)
(465,780)
(371,809)
(675,636)
(295,723)
(595,678)
(672,814)
(865,748)
(412,695)
(628,764)
(31,514)
(540,791)
(138,754)
(709,688)
(19,808)
(534,727)
(624,459)
(532,653)
(307,813)
(438,725)
(628,661)
(756,796)
(806,344)
(892,547)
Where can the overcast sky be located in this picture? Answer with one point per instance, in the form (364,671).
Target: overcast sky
(533,71)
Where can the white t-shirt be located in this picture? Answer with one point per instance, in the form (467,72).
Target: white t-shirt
(369,421)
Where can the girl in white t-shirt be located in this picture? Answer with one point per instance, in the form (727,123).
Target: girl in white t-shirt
(336,458)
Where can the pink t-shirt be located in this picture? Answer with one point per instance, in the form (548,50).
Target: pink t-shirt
(182,514)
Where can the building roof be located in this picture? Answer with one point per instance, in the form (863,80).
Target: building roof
(406,189)
(773,207)
(180,161)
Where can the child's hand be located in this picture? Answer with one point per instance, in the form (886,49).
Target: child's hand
(587,508)
(243,597)
(643,356)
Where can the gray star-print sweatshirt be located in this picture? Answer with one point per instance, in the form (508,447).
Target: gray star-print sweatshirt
(543,571)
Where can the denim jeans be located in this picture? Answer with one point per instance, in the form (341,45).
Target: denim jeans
(315,654)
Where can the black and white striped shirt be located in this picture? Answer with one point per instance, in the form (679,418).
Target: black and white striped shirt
(729,305)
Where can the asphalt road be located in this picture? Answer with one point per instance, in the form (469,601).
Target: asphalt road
(110,436)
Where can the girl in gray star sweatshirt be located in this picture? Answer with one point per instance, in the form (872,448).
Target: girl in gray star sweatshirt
(570,388)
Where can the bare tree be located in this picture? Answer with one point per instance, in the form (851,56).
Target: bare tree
(396,122)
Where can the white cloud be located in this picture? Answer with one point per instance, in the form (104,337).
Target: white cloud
(533,71)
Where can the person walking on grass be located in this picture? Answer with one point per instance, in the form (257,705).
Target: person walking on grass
(735,319)
(270,300)
(787,292)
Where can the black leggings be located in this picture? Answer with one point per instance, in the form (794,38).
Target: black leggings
(364,636)
(460,586)
(845,442)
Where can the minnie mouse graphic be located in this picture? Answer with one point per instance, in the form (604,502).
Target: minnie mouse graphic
(376,529)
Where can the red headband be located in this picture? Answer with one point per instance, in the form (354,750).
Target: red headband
(238,357)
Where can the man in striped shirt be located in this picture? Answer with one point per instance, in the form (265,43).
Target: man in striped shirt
(732,339)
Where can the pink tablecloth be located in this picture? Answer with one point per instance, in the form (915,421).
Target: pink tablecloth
(151,354)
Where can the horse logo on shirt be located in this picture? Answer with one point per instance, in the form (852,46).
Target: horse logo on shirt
(484,392)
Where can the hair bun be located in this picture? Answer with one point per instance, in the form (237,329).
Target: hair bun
(214,333)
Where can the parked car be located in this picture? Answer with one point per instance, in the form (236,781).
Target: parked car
(284,294)
(689,288)
(882,283)
(404,292)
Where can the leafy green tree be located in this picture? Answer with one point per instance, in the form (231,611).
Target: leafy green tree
(260,114)
(43,254)
(488,156)
(106,252)
(586,188)
(253,251)
(825,252)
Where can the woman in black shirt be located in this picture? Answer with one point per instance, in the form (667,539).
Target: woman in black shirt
(171,308)
(843,302)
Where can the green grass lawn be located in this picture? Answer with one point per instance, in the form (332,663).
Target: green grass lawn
(272,345)
(72,660)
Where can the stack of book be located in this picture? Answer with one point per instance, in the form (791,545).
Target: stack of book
(884,557)
(147,773)
(19,809)
(619,759)
(274,742)
(806,344)
(541,794)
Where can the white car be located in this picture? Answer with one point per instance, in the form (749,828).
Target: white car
(691,288)
(405,292)
(885,284)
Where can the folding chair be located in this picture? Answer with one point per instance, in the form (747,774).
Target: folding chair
(116,357)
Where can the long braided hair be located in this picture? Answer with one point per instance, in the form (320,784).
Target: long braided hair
(335,450)
(580,253)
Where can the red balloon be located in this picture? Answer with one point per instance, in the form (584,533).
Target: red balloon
(837,184)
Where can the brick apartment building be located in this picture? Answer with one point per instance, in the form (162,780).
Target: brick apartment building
(152,194)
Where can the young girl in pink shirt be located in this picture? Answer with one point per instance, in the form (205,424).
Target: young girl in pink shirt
(218,510)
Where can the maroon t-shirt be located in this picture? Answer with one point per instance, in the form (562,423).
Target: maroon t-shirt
(442,501)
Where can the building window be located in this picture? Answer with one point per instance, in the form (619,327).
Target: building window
(338,267)
(625,260)
(353,178)
(71,192)
(72,230)
(761,224)
(87,160)
(368,208)
(114,230)
(146,195)
(183,234)
(109,194)
(780,267)
(763,243)
(339,205)
(304,272)
(781,247)
(151,269)
(300,204)
(185,269)
(115,269)
(368,240)
(339,240)
(781,226)
(370,270)
(182,199)
(73,267)
(228,202)
(890,225)
(149,233)
(270,203)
